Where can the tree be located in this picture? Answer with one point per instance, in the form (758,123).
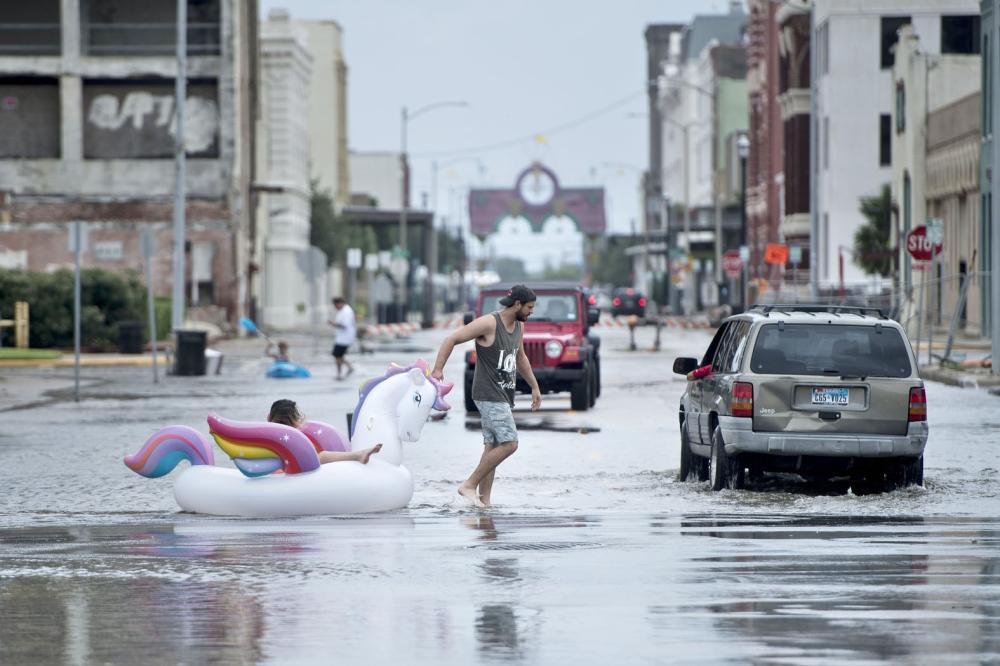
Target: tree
(331,233)
(872,250)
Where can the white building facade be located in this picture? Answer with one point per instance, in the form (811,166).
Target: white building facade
(854,107)
(294,280)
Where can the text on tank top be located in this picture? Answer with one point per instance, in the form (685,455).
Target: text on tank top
(496,366)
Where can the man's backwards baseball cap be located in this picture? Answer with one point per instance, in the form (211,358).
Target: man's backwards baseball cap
(518,293)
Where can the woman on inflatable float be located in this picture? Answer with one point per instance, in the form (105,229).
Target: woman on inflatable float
(391,409)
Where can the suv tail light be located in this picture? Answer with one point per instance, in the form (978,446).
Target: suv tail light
(592,300)
(642,302)
(918,405)
(617,301)
(742,402)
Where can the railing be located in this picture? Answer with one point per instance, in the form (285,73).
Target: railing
(934,310)
(102,39)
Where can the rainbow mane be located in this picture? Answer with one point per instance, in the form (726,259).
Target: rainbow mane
(262,448)
(394,369)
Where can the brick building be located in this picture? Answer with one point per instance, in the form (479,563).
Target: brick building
(87,130)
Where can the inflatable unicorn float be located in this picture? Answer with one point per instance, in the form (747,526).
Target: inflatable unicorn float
(278,472)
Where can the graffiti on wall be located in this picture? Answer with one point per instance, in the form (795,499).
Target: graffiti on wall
(141,121)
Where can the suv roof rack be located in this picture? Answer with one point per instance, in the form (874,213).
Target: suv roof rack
(858,310)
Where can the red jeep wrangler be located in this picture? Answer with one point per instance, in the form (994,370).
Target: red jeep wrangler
(557,340)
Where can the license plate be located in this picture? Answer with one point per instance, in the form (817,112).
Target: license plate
(830,396)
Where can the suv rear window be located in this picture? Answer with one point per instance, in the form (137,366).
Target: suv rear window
(548,307)
(825,349)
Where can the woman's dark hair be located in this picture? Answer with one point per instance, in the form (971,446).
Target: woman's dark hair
(285,412)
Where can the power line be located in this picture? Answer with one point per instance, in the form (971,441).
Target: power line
(562,127)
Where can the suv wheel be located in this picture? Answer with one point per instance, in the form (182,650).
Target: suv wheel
(686,457)
(718,465)
(724,471)
(470,406)
(579,392)
(597,378)
(906,473)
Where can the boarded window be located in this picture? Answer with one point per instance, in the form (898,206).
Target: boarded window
(127,27)
(30,28)
(960,34)
(135,119)
(29,118)
(890,35)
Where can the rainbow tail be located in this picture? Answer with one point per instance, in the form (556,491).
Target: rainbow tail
(167,447)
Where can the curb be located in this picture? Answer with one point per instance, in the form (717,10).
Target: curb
(960,379)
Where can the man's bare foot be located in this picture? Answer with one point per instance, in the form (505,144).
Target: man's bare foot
(470,494)
(365,454)
(485,499)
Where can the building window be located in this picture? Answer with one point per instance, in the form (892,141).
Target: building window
(987,87)
(30,28)
(108,250)
(30,120)
(148,28)
(884,139)
(900,107)
(890,35)
(823,50)
(826,142)
(960,34)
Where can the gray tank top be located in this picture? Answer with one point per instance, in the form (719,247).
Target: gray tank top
(496,365)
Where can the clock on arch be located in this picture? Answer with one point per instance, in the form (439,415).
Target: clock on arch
(536,186)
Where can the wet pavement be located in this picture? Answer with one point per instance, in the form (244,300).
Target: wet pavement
(594,552)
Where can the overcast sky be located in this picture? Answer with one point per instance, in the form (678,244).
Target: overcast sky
(524,66)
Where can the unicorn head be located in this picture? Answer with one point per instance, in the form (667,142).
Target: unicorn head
(407,396)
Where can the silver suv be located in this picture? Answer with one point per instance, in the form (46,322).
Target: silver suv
(819,391)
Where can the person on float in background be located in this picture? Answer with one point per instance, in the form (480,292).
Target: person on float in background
(281,355)
(286,412)
(346,333)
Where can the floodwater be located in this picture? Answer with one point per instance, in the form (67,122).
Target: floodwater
(594,552)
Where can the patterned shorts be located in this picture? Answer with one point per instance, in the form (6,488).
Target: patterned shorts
(498,422)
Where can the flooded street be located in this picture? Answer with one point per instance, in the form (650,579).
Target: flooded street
(593,553)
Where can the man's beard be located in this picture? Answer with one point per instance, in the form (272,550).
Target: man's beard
(520,316)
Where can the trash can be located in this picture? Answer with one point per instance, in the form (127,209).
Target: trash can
(130,337)
(189,357)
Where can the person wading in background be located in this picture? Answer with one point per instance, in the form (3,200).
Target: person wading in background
(346,333)
(499,356)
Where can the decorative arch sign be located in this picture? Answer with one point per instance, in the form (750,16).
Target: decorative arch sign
(536,196)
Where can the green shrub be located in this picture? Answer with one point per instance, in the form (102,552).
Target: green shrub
(107,299)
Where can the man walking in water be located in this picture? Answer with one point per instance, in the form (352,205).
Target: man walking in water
(499,354)
(346,333)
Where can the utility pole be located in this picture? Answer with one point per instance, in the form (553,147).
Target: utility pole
(993,67)
(180,167)
(813,163)
(403,183)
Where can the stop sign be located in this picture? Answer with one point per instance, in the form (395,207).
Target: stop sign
(732,263)
(920,246)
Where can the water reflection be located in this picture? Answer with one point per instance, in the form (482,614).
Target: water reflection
(88,621)
(796,586)
(497,632)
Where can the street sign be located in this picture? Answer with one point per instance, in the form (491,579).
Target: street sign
(935,230)
(795,254)
(776,253)
(920,246)
(371,262)
(732,263)
(745,253)
(354,257)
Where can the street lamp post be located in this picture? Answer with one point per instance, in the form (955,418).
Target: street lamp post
(743,149)
(405,117)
